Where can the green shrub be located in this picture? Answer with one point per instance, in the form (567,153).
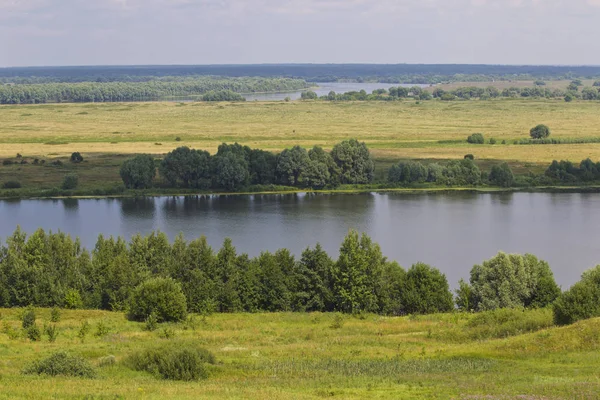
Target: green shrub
(28,318)
(84,329)
(55,314)
(151,323)
(102,329)
(539,132)
(581,301)
(476,138)
(179,362)
(162,297)
(70,182)
(11,185)
(73,300)
(52,332)
(506,322)
(492,141)
(76,157)
(61,364)
(469,157)
(33,333)
(501,175)
(426,291)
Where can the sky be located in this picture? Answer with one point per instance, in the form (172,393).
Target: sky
(124,32)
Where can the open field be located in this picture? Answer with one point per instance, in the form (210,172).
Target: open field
(311,356)
(103,133)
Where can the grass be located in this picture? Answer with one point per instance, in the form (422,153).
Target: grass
(108,133)
(300,356)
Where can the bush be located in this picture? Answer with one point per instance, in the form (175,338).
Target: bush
(162,297)
(55,315)
(476,138)
(61,364)
(426,291)
(28,318)
(151,323)
(539,132)
(70,182)
(11,185)
(501,175)
(52,332)
(7,162)
(504,323)
(469,157)
(76,157)
(33,333)
(173,362)
(581,301)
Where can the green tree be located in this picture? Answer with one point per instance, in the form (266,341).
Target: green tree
(226,276)
(392,289)
(426,291)
(291,164)
(356,274)
(476,138)
(138,172)
(501,175)
(230,171)
(76,157)
(312,281)
(581,301)
(185,166)
(539,132)
(262,167)
(308,95)
(510,281)
(354,162)
(273,291)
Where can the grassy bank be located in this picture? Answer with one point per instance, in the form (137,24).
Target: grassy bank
(306,356)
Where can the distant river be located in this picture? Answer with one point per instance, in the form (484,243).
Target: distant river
(324,89)
(450,231)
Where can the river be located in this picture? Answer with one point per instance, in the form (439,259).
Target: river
(451,231)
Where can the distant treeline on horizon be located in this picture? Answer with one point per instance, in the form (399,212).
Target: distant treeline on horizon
(390,73)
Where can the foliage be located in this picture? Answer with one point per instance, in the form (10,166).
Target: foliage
(33,333)
(222,95)
(581,301)
(28,318)
(501,175)
(151,323)
(539,132)
(70,182)
(185,166)
(138,172)
(61,364)
(426,291)
(76,157)
(178,362)
(291,164)
(230,170)
(160,296)
(55,314)
(52,332)
(511,281)
(476,138)
(354,162)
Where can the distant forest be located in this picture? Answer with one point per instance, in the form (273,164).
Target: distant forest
(388,73)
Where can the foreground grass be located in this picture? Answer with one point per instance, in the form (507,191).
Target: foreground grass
(306,356)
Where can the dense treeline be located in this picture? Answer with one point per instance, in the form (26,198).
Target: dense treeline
(51,269)
(462,93)
(213,89)
(236,166)
(392,73)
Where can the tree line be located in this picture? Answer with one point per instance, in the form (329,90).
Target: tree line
(212,89)
(149,274)
(462,93)
(235,166)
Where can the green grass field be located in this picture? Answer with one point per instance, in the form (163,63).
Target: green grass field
(106,133)
(313,356)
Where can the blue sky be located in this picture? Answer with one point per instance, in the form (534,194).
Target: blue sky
(99,32)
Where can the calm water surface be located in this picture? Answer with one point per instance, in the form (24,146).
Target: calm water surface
(449,231)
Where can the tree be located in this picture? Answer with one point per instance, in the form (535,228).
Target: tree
(356,274)
(408,172)
(273,291)
(316,175)
(581,301)
(76,157)
(138,172)
(312,281)
(512,280)
(319,155)
(476,138)
(354,161)
(539,132)
(230,170)
(501,175)
(308,95)
(262,167)
(426,291)
(161,297)
(291,164)
(461,172)
(569,97)
(185,166)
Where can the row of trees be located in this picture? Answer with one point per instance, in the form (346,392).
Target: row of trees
(566,171)
(235,166)
(464,93)
(213,89)
(51,269)
(454,173)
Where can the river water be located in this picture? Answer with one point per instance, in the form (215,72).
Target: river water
(451,231)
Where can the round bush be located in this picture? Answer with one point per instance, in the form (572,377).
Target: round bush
(11,185)
(76,157)
(581,301)
(476,138)
(539,132)
(70,182)
(61,363)
(162,297)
